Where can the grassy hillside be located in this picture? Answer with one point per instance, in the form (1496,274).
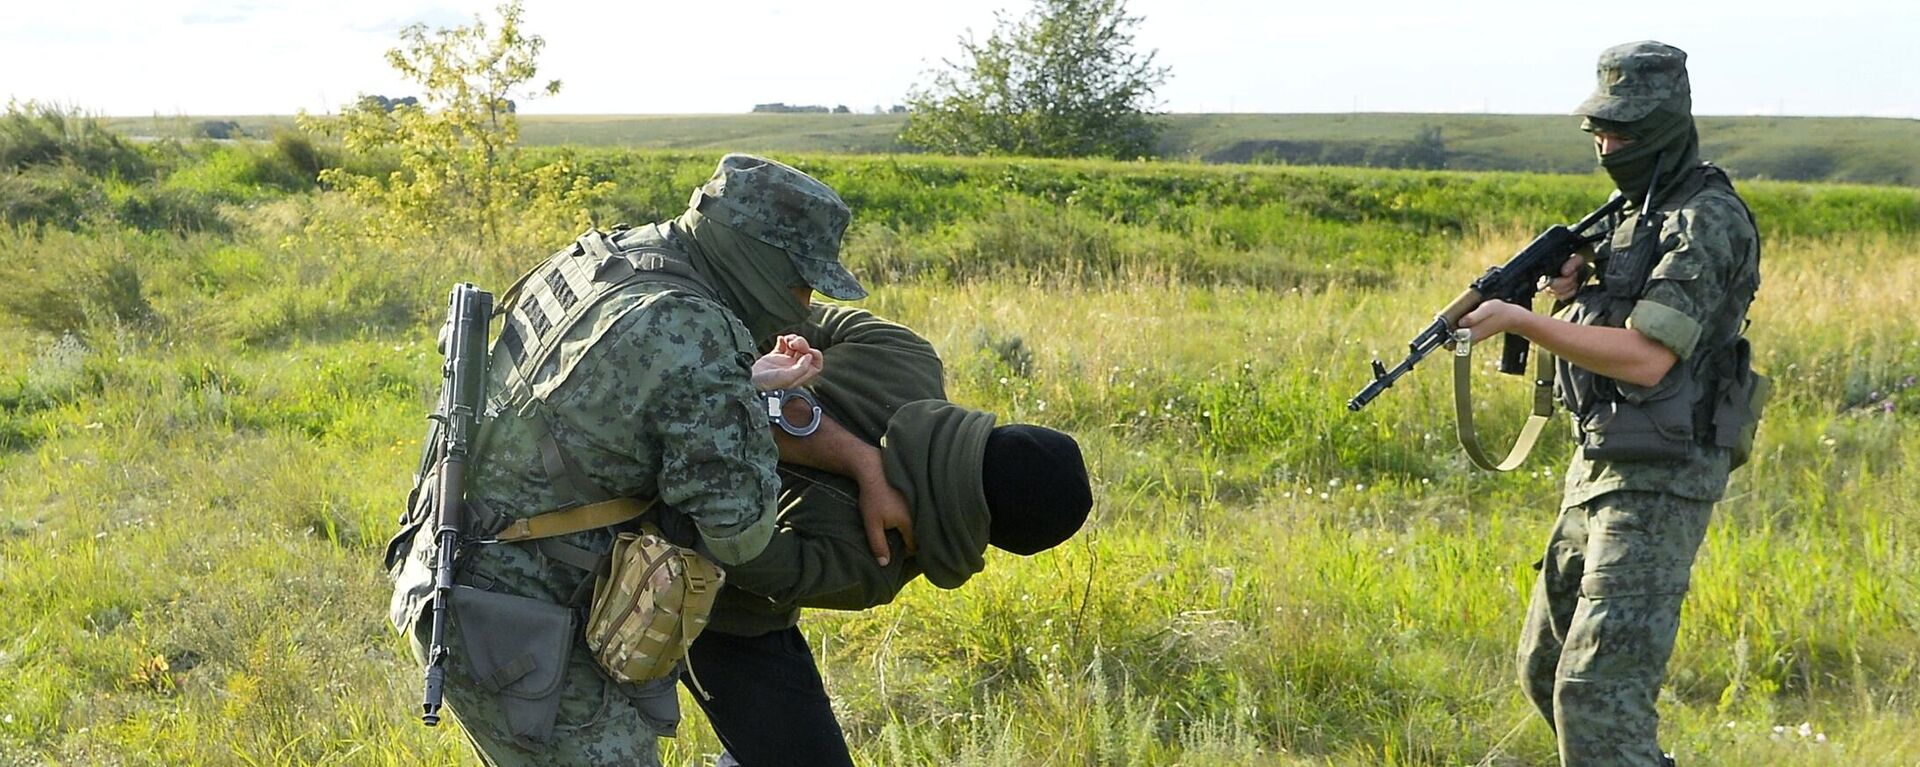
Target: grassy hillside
(1845,149)
(207,420)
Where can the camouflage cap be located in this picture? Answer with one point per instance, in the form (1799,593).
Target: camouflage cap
(783,207)
(1635,79)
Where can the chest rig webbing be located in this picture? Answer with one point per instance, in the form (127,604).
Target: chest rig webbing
(1663,422)
(541,308)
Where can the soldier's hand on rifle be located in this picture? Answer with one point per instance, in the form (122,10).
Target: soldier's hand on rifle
(1493,318)
(792,363)
(1573,274)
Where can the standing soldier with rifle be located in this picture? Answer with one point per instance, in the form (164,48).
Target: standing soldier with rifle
(1657,375)
(623,382)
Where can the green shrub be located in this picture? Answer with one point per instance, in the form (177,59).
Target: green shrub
(163,208)
(36,134)
(58,195)
(297,153)
(59,282)
(240,174)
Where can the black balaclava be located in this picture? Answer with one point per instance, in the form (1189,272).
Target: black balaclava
(1667,136)
(1036,486)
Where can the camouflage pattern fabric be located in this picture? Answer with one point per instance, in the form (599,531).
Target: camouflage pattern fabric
(650,397)
(1699,289)
(752,278)
(783,207)
(1634,79)
(602,723)
(1605,611)
(1606,607)
(657,402)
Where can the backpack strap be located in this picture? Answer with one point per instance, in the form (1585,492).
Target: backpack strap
(551,298)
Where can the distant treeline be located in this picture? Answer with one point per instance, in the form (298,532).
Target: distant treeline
(1827,149)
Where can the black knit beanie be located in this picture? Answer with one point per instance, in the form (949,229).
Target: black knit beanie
(1036,487)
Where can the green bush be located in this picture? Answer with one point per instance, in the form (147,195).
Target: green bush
(61,283)
(58,195)
(296,152)
(239,174)
(162,208)
(36,134)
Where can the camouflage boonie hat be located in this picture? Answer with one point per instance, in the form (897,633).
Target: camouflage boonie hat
(1636,78)
(785,208)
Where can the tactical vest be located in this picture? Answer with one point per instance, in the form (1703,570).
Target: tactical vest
(1711,398)
(541,308)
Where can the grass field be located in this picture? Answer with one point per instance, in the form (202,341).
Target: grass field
(1844,149)
(208,418)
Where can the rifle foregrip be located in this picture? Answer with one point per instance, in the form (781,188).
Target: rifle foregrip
(1467,301)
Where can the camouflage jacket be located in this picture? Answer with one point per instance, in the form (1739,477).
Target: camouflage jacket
(1694,302)
(648,395)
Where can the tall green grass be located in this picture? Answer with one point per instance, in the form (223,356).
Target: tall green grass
(205,435)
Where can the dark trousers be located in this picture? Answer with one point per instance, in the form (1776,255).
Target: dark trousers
(768,704)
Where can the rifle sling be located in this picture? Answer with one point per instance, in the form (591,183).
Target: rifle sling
(1529,433)
(592,516)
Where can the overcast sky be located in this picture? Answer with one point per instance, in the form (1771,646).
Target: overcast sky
(140,57)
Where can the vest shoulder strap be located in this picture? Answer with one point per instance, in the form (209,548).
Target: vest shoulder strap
(547,302)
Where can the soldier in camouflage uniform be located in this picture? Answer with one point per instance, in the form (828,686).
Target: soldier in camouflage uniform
(626,368)
(1655,372)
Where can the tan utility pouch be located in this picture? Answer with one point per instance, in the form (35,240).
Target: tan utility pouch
(651,598)
(649,606)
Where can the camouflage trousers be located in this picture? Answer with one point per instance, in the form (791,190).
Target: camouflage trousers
(1605,611)
(601,723)
(527,690)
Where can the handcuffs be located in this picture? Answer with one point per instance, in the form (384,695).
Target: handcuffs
(776,401)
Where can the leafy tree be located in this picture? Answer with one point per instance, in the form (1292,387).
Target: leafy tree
(1064,81)
(1429,149)
(384,103)
(218,129)
(460,172)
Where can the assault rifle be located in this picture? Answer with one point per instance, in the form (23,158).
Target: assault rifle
(1517,281)
(463,341)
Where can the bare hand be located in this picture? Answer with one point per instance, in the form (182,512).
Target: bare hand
(1570,279)
(1493,318)
(884,508)
(792,363)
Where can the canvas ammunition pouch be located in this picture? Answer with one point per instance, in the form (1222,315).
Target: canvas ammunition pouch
(515,649)
(1712,398)
(1743,397)
(651,598)
(649,606)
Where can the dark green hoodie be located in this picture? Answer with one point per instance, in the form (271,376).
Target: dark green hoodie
(883,383)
